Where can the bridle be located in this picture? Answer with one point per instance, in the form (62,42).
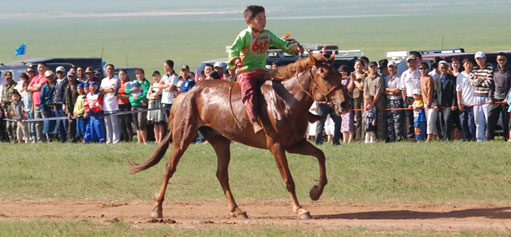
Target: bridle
(325,93)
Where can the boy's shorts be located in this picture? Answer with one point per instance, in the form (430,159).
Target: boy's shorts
(420,131)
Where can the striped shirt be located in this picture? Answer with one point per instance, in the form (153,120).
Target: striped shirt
(482,80)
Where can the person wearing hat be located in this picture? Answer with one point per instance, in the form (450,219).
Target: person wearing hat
(383,68)
(93,109)
(48,106)
(219,68)
(70,96)
(374,86)
(108,89)
(188,81)
(35,87)
(89,76)
(7,91)
(482,80)
(445,100)
(410,80)
(419,116)
(393,88)
(78,112)
(60,87)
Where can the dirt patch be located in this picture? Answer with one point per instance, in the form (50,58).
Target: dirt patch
(442,217)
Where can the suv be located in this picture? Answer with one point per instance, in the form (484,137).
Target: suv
(18,67)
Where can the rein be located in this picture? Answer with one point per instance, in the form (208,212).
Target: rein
(317,88)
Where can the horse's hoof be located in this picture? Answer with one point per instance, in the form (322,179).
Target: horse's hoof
(314,193)
(241,216)
(305,216)
(157,214)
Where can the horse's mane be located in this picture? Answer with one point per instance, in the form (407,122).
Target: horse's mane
(286,72)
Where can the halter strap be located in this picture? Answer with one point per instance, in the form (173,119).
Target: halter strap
(317,88)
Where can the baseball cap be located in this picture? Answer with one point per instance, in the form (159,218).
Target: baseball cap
(392,63)
(93,83)
(48,73)
(71,74)
(416,91)
(218,64)
(372,63)
(443,62)
(97,72)
(480,54)
(410,57)
(60,69)
(80,85)
(89,70)
(383,63)
(185,67)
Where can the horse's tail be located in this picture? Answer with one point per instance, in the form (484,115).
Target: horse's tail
(158,153)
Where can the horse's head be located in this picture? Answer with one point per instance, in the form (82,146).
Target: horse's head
(327,85)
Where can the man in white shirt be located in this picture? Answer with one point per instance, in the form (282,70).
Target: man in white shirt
(169,86)
(465,94)
(108,89)
(410,81)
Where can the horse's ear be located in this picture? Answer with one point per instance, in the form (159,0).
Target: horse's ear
(332,57)
(312,58)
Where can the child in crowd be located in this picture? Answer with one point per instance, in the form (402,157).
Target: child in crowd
(26,97)
(93,108)
(156,117)
(419,116)
(17,111)
(78,112)
(369,120)
(133,84)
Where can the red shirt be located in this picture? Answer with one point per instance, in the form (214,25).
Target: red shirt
(36,95)
(123,96)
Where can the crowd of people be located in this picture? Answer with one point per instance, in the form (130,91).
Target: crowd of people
(457,100)
(461,99)
(82,105)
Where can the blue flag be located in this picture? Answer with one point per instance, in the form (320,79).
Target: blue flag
(20,50)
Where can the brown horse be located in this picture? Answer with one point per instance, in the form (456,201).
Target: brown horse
(283,109)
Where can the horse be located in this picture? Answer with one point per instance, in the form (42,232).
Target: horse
(284,102)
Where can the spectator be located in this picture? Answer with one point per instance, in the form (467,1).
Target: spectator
(78,112)
(418,57)
(169,86)
(219,68)
(139,103)
(7,91)
(214,76)
(370,119)
(108,90)
(347,119)
(455,67)
(71,94)
(374,86)
(410,80)
(323,111)
(274,66)
(60,106)
(434,68)
(383,67)
(89,75)
(419,116)
(17,108)
(498,93)
(80,76)
(3,134)
(30,73)
(124,105)
(26,97)
(366,64)
(188,81)
(93,109)
(482,80)
(48,105)
(445,99)
(156,117)
(357,87)
(98,74)
(465,96)
(428,98)
(208,69)
(393,88)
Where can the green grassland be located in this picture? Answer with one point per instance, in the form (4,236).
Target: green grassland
(394,173)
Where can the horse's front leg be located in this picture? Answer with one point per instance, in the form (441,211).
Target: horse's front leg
(306,148)
(280,158)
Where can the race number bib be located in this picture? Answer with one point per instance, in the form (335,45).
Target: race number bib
(259,43)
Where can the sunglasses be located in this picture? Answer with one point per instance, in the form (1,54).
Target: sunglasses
(30,71)
(502,60)
(422,68)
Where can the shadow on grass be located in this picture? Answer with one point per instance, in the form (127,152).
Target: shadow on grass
(492,213)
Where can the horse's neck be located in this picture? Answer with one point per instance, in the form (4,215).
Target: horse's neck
(300,88)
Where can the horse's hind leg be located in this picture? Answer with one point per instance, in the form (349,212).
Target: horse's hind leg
(280,158)
(306,148)
(178,149)
(222,148)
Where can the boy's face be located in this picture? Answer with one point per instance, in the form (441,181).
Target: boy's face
(417,97)
(15,97)
(92,88)
(86,90)
(80,90)
(258,22)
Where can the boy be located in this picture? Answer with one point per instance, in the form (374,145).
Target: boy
(17,112)
(78,112)
(369,120)
(249,51)
(419,116)
(93,108)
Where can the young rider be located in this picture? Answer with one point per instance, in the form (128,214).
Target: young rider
(249,51)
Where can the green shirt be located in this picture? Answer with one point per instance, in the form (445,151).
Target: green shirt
(252,48)
(143,87)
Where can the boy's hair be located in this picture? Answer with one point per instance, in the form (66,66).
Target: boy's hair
(156,73)
(252,11)
(15,93)
(425,65)
(467,59)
